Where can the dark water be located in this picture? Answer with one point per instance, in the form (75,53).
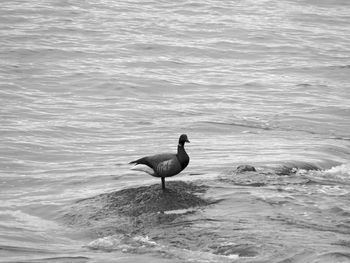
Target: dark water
(86,87)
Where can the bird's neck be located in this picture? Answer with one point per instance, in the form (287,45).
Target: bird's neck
(180,147)
(182,155)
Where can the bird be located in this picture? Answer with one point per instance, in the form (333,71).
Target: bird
(165,164)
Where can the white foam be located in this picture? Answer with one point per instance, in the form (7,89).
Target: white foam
(122,243)
(179,211)
(145,240)
(107,243)
(341,170)
(144,243)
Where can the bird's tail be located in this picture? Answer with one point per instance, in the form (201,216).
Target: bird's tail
(139,161)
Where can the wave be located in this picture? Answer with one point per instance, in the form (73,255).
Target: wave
(71,259)
(332,257)
(307,257)
(23,249)
(252,125)
(326,226)
(224,252)
(324,166)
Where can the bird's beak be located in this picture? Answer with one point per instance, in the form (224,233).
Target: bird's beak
(187,140)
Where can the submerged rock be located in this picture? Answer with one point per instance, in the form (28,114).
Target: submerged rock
(285,170)
(246,175)
(293,167)
(242,250)
(245,168)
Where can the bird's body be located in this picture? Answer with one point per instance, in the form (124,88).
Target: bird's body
(166,164)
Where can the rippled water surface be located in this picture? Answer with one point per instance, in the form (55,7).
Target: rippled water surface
(87,86)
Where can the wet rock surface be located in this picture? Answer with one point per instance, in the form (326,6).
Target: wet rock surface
(152,199)
(136,210)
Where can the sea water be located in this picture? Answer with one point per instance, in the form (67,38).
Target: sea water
(87,86)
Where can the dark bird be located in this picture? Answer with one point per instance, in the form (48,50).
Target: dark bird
(166,164)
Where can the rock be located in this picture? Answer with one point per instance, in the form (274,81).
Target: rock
(152,199)
(135,210)
(245,168)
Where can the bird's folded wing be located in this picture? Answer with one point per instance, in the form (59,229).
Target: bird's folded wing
(154,160)
(168,167)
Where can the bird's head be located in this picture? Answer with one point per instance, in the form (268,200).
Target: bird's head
(183,138)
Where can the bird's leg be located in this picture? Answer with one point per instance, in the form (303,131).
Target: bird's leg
(163,183)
